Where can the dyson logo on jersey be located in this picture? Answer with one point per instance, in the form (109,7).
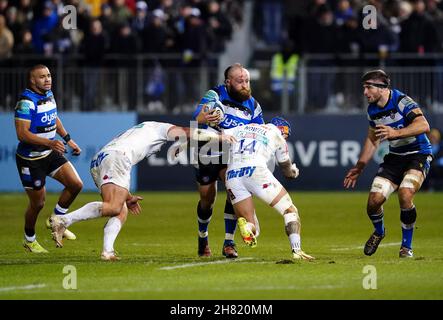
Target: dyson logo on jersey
(237,173)
(229,122)
(49,118)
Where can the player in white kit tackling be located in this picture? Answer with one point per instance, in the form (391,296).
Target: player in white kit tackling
(248,174)
(111,172)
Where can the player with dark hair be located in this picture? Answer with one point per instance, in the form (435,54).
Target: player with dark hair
(39,154)
(395,117)
(239,108)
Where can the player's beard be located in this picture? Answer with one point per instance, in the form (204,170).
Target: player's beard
(242,95)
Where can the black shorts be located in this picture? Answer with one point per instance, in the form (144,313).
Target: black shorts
(208,173)
(395,166)
(33,172)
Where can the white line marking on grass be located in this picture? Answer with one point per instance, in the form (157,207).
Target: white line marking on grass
(28,287)
(197,264)
(390,244)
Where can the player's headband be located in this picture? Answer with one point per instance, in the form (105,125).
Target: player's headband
(377,85)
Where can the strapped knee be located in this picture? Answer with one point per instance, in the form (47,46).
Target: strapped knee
(383,186)
(291,217)
(284,204)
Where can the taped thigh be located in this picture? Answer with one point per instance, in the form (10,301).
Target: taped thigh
(383,186)
(411,181)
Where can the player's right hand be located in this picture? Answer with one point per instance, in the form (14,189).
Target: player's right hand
(211,117)
(133,205)
(57,146)
(351,177)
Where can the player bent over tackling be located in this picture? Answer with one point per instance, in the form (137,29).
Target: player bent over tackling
(111,172)
(248,175)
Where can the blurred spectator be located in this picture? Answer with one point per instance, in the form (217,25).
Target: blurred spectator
(283,74)
(24,45)
(95,7)
(157,37)
(6,40)
(284,68)
(219,26)
(381,40)
(140,21)
(234,10)
(344,12)
(350,40)
(120,12)
(3,7)
(43,26)
(13,24)
(93,47)
(434,180)
(194,39)
(125,43)
(107,20)
(418,33)
(25,13)
(59,40)
(320,36)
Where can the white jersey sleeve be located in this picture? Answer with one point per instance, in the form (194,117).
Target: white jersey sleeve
(141,141)
(282,151)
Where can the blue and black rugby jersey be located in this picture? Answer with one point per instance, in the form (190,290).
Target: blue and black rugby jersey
(41,112)
(236,113)
(394,115)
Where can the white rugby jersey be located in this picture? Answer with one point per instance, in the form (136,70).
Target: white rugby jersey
(140,141)
(256,145)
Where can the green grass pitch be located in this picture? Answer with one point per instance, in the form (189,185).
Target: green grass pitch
(159,258)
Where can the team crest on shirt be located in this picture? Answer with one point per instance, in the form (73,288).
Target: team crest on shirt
(392,115)
(205,179)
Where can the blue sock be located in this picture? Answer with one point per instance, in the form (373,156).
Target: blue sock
(230,224)
(204,216)
(377,221)
(407,218)
(59,210)
(407,237)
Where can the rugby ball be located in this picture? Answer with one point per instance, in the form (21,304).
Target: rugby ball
(217,108)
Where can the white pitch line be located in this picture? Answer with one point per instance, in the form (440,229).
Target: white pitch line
(190,265)
(28,287)
(390,244)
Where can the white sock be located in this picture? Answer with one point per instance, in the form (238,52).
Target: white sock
(294,239)
(112,228)
(30,239)
(89,211)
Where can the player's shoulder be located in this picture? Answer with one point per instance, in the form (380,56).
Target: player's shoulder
(28,95)
(405,101)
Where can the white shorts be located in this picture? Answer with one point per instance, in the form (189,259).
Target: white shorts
(242,183)
(111,167)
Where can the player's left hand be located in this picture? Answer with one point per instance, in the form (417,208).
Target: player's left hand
(295,171)
(133,205)
(385,132)
(75,148)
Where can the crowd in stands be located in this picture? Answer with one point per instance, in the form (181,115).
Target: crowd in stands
(335,26)
(191,27)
